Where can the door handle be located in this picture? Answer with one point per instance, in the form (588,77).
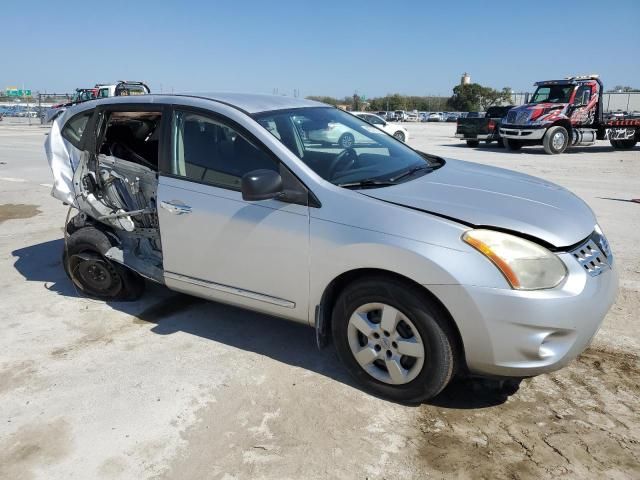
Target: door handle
(175,208)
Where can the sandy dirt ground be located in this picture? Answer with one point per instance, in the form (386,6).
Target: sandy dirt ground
(173,387)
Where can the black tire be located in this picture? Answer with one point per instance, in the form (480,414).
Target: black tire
(400,136)
(623,144)
(95,275)
(513,145)
(473,143)
(488,142)
(440,353)
(346,140)
(551,139)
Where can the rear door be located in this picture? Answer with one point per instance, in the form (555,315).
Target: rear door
(215,244)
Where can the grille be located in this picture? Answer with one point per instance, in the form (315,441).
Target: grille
(522,118)
(517,117)
(594,255)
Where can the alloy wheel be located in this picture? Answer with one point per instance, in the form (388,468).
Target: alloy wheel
(385,343)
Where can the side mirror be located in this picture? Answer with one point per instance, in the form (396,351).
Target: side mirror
(261,185)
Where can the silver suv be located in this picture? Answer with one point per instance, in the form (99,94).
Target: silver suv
(414,266)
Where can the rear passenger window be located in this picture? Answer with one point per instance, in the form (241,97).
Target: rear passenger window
(208,151)
(74,128)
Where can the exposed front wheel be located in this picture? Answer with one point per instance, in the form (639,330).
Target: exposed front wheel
(555,140)
(473,143)
(624,144)
(393,340)
(399,135)
(346,140)
(510,144)
(94,274)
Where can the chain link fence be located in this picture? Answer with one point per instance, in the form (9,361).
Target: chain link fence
(30,110)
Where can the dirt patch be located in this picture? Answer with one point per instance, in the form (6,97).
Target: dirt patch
(15,375)
(34,447)
(580,422)
(13,211)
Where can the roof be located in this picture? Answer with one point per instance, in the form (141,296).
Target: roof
(556,82)
(254,103)
(248,103)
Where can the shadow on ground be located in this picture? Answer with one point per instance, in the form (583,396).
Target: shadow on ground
(286,342)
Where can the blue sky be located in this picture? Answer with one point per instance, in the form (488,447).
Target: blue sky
(320,47)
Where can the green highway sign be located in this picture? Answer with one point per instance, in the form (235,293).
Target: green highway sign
(16,92)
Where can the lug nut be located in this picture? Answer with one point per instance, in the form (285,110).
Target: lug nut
(389,353)
(394,344)
(376,335)
(377,348)
(386,334)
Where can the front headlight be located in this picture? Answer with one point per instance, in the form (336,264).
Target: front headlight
(525,265)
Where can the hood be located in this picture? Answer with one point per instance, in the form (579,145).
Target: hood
(531,112)
(485,196)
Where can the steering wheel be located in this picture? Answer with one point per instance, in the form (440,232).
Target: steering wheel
(345,159)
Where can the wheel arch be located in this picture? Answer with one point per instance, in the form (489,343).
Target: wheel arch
(563,122)
(330,294)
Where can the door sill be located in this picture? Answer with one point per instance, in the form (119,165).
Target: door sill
(231,290)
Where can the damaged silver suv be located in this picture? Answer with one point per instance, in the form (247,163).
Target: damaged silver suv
(414,266)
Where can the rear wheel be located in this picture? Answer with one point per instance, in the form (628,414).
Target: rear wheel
(623,144)
(511,144)
(555,140)
(393,339)
(399,135)
(473,143)
(346,140)
(95,275)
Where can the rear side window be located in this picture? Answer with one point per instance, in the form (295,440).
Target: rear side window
(74,128)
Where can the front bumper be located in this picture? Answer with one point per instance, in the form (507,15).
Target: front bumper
(466,136)
(521,133)
(516,333)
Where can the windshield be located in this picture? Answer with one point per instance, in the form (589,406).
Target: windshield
(344,149)
(552,94)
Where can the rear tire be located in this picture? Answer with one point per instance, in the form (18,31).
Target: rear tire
(473,143)
(513,145)
(407,332)
(346,140)
(399,135)
(623,144)
(556,140)
(95,275)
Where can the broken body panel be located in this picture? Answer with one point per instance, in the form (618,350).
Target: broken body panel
(111,190)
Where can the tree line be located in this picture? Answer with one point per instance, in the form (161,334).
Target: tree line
(466,98)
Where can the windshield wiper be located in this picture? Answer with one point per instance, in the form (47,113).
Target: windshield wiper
(411,171)
(367,182)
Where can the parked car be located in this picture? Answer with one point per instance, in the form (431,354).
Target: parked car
(473,115)
(122,88)
(412,117)
(414,266)
(434,117)
(452,117)
(398,131)
(487,128)
(400,116)
(330,133)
